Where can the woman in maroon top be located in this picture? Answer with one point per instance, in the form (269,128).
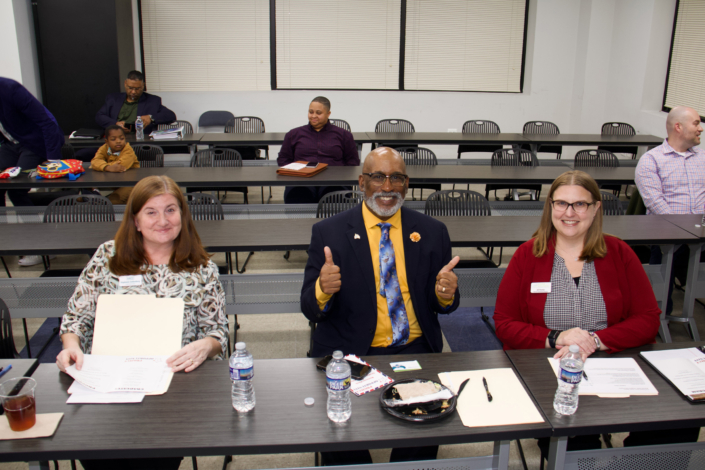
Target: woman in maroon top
(573,284)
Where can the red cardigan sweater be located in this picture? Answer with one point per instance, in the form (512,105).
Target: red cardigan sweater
(632,311)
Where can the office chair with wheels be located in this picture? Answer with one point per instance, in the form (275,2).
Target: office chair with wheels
(149,156)
(511,157)
(418,156)
(393,125)
(599,159)
(542,128)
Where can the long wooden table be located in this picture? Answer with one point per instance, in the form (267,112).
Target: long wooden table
(332,176)
(595,415)
(195,417)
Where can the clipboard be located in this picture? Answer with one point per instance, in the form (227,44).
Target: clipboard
(138,325)
(303,172)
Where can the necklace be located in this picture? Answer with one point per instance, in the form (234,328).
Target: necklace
(562,255)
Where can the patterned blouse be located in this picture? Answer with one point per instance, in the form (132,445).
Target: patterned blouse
(203,295)
(569,306)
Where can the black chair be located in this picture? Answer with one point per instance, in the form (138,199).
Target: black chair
(188,129)
(514,157)
(248,125)
(418,156)
(464,203)
(68,151)
(611,205)
(7,341)
(340,123)
(393,125)
(218,158)
(599,159)
(618,128)
(149,156)
(206,207)
(479,127)
(214,119)
(542,128)
(330,205)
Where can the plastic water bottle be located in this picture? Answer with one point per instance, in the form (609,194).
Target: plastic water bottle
(338,385)
(566,399)
(242,371)
(139,128)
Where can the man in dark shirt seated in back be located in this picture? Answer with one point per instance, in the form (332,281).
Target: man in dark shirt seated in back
(123,108)
(318,141)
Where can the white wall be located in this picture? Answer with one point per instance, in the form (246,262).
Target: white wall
(9,52)
(18,56)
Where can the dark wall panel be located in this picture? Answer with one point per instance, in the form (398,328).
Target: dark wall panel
(78,56)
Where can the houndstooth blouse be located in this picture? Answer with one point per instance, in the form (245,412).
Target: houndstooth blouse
(203,295)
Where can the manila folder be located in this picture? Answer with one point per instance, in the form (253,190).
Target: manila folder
(138,325)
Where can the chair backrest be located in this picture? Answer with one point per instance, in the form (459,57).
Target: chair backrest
(617,128)
(611,205)
(418,156)
(215,118)
(204,207)
(337,202)
(541,127)
(7,341)
(394,125)
(188,128)
(480,127)
(79,208)
(149,156)
(511,157)
(216,158)
(595,158)
(244,125)
(340,123)
(68,151)
(457,202)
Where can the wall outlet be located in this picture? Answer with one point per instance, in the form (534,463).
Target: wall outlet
(452,130)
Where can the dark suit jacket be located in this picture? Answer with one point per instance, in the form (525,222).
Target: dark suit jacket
(147,104)
(28,121)
(351,319)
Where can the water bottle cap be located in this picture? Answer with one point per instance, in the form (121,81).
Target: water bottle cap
(574,348)
(309,401)
(338,355)
(240,346)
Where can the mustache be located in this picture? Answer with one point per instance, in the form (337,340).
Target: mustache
(383,194)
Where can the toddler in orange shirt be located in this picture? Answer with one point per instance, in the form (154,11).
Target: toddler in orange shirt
(116,156)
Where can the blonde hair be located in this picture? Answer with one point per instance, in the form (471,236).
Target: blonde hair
(188,253)
(594,246)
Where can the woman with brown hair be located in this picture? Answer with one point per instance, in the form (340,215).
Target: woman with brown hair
(158,242)
(573,284)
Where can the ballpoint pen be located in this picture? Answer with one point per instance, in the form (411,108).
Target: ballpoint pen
(4,370)
(585,375)
(489,395)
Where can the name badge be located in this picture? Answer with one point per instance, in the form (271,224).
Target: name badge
(130,281)
(540,287)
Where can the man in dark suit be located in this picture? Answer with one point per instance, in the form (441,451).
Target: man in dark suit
(376,277)
(123,108)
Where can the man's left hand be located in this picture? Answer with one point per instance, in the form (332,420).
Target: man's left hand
(447,281)
(146,120)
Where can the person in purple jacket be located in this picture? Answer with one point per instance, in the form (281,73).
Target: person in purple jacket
(29,135)
(122,109)
(318,141)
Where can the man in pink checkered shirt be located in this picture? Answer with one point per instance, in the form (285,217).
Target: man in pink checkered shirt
(671,180)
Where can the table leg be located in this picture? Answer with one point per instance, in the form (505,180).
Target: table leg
(690,291)
(556,452)
(38,465)
(500,455)
(666,266)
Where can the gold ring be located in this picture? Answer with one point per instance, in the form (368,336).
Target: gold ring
(191,361)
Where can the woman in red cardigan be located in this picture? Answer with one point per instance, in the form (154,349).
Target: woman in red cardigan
(573,284)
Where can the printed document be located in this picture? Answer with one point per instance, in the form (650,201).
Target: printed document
(615,377)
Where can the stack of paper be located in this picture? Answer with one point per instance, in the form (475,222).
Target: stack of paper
(684,368)
(176,133)
(510,403)
(611,377)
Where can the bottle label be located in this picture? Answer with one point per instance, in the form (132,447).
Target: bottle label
(242,374)
(338,384)
(571,377)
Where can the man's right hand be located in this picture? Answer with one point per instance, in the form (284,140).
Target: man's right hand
(122,124)
(330,274)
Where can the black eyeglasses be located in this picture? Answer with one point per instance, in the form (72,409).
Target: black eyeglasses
(397,179)
(580,206)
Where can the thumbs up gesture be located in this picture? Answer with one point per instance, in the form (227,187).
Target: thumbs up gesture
(447,281)
(329,278)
